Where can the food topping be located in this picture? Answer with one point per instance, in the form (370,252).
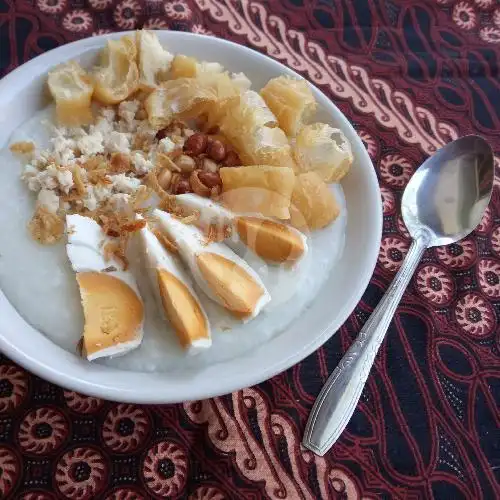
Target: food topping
(196,144)
(22,147)
(259,188)
(46,227)
(117,76)
(165,178)
(185,163)
(291,100)
(183,67)
(313,204)
(191,127)
(154,60)
(324,150)
(216,150)
(72,89)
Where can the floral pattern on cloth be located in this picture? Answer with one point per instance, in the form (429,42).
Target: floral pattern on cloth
(481,17)
(411,76)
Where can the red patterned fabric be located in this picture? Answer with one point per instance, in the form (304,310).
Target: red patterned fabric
(411,75)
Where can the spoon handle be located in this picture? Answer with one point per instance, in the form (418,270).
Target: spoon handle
(339,396)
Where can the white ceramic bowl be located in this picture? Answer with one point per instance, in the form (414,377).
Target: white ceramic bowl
(22,93)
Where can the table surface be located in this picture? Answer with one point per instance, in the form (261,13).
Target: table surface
(411,75)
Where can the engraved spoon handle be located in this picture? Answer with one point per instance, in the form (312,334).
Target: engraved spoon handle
(339,396)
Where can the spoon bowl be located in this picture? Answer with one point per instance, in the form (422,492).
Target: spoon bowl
(448,194)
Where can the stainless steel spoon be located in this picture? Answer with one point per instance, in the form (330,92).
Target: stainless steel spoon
(443,202)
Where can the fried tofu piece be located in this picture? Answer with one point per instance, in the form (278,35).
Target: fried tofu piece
(249,111)
(313,205)
(154,61)
(117,76)
(188,97)
(183,67)
(324,150)
(72,88)
(258,188)
(291,100)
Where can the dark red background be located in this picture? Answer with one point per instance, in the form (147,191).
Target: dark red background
(410,75)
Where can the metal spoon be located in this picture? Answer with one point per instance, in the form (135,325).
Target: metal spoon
(443,202)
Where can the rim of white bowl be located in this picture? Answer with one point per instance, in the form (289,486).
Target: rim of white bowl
(152,392)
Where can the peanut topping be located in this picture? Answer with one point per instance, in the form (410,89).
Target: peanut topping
(164,178)
(185,163)
(181,186)
(198,186)
(210,179)
(196,144)
(232,159)
(209,165)
(216,150)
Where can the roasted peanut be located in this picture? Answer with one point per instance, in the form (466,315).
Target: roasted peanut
(164,178)
(216,150)
(185,163)
(210,179)
(176,177)
(197,185)
(209,165)
(196,144)
(182,186)
(163,160)
(232,159)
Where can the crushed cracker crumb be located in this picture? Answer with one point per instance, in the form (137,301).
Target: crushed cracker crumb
(46,227)
(22,147)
